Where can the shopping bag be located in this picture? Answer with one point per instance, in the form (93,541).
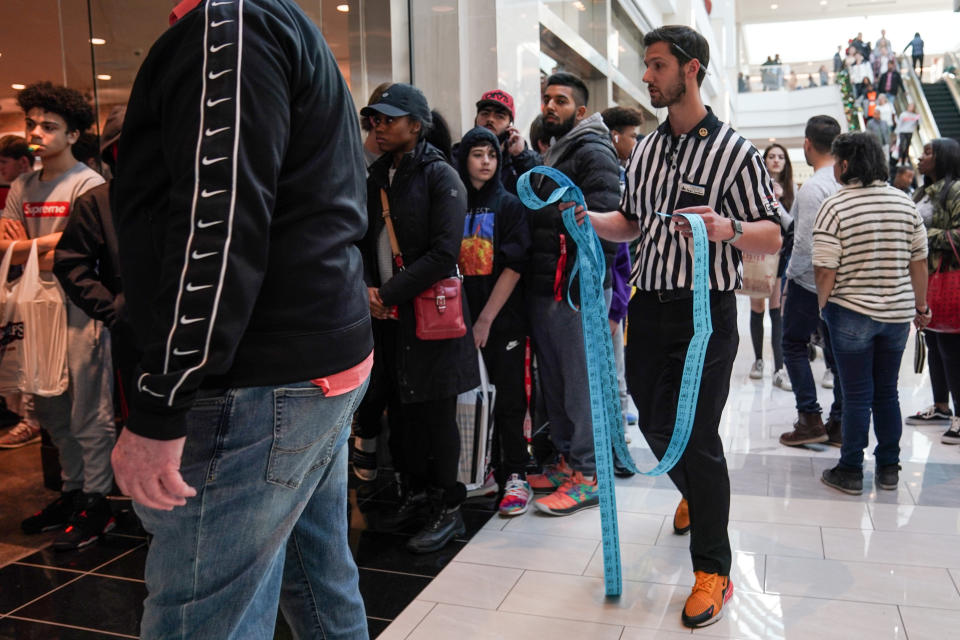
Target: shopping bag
(759,274)
(11,329)
(475,422)
(41,307)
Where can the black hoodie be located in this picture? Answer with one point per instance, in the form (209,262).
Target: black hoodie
(495,237)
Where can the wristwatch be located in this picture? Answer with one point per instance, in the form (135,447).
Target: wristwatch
(737,231)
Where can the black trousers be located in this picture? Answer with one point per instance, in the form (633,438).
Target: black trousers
(382,391)
(944,361)
(658,336)
(428,441)
(504,357)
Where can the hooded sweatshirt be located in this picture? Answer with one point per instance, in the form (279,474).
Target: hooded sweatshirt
(495,237)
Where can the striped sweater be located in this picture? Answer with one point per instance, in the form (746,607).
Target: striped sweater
(870,234)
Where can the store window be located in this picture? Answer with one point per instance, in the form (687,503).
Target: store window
(626,46)
(97,46)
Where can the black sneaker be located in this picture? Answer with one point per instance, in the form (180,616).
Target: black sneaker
(952,434)
(93,519)
(842,480)
(444,526)
(887,476)
(364,464)
(930,415)
(54,516)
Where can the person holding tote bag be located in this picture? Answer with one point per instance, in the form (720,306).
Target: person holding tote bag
(939,203)
(426,205)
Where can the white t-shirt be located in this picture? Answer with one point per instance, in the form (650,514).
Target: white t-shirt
(908,122)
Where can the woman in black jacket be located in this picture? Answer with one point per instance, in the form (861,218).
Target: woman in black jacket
(427,203)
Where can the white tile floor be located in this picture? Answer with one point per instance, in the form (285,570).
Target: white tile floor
(809,562)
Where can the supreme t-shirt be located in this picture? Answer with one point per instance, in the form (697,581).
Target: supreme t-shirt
(43,206)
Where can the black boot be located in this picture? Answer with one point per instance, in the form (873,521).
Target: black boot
(444,524)
(413,509)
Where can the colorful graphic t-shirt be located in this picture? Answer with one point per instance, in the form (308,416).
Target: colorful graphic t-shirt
(44,206)
(476,250)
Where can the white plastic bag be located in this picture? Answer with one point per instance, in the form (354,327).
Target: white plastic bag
(759,274)
(475,422)
(11,329)
(41,307)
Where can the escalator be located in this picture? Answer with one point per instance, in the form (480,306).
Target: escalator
(944,108)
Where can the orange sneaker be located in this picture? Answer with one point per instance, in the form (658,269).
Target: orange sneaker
(681,518)
(573,495)
(705,604)
(553,476)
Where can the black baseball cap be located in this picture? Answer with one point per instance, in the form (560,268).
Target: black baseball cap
(400,100)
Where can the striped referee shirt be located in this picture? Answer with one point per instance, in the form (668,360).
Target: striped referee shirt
(710,165)
(870,235)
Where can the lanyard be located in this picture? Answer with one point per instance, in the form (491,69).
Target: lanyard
(601,369)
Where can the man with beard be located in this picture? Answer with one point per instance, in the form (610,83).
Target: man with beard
(692,163)
(582,149)
(495,112)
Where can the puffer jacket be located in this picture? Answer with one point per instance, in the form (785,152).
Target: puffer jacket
(586,155)
(428,204)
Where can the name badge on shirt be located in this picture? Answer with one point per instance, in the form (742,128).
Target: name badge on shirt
(693,189)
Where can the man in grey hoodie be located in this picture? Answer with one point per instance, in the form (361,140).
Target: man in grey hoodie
(580,148)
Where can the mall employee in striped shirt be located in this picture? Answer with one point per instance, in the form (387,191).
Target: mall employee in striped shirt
(692,163)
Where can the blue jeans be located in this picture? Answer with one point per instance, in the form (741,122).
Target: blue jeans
(801,317)
(868,355)
(269,521)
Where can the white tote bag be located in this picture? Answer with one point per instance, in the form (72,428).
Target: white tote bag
(11,329)
(475,422)
(41,307)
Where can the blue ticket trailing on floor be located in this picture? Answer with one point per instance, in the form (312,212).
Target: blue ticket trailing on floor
(608,434)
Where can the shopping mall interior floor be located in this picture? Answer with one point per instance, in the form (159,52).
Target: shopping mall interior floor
(97,593)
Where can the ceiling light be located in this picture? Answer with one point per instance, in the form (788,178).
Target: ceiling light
(823,3)
(774,6)
(343,8)
(104,76)
(442,8)
(97,41)
(771,139)
(579,5)
(18,86)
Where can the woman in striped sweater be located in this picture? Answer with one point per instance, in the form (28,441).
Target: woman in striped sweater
(869,259)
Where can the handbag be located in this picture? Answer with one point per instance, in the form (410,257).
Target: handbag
(943,297)
(759,274)
(11,329)
(438,309)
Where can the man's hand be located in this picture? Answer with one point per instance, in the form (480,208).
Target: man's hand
(13,230)
(579,213)
(377,309)
(515,144)
(719,228)
(148,471)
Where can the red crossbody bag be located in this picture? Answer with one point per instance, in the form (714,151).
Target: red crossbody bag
(438,309)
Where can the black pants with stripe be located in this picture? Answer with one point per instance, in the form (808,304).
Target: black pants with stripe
(657,340)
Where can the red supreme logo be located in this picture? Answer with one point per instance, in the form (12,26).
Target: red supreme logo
(46,209)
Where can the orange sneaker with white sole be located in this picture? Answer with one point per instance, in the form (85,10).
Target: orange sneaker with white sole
(705,604)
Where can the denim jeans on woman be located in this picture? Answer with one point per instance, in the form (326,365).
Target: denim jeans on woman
(868,355)
(269,521)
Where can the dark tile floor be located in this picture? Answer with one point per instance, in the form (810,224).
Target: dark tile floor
(97,593)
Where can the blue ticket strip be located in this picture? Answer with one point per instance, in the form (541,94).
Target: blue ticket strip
(608,434)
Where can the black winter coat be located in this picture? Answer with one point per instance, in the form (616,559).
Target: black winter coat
(592,165)
(428,203)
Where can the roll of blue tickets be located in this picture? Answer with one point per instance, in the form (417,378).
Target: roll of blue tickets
(608,434)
